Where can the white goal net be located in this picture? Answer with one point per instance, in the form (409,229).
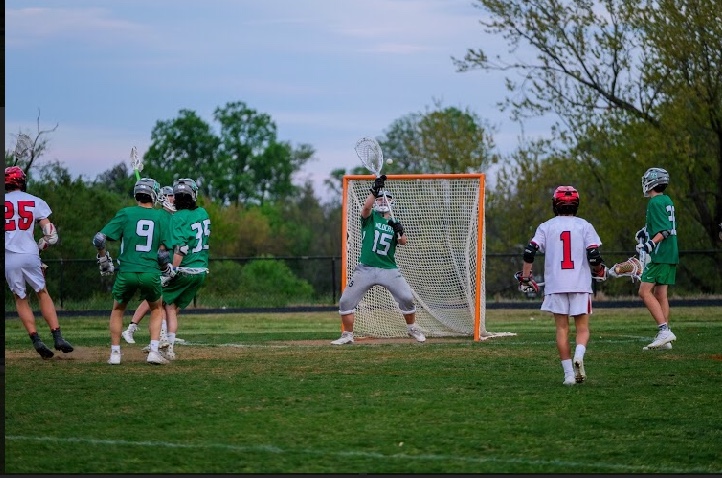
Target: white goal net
(443,261)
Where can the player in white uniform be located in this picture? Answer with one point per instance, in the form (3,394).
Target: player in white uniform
(570,246)
(22,258)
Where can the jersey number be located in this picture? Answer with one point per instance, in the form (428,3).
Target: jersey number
(25,217)
(144,228)
(566,238)
(382,242)
(201,230)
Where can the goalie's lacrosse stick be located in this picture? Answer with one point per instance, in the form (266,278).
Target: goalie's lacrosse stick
(23,148)
(136,162)
(369,152)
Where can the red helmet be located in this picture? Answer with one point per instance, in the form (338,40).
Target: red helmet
(15,178)
(565,200)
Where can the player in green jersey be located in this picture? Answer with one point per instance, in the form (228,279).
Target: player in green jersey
(658,240)
(139,228)
(190,232)
(377,264)
(165,199)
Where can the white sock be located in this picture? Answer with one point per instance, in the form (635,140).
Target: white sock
(164,327)
(115,348)
(410,326)
(567,367)
(132,327)
(580,351)
(171,338)
(154,345)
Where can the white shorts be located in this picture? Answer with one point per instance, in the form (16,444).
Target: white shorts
(22,269)
(570,303)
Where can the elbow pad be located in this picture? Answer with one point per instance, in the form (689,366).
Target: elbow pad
(99,241)
(182,250)
(163,258)
(530,252)
(594,257)
(665,233)
(50,233)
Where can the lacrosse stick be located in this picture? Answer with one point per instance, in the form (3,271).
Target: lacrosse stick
(369,152)
(135,162)
(23,148)
(632,267)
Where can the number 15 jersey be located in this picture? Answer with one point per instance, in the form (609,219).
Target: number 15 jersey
(564,240)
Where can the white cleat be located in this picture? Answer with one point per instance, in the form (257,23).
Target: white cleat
(114,358)
(570,380)
(663,337)
(579,374)
(168,354)
(667,346)
(156,358)
(346,338)
(128,336)
(416,333)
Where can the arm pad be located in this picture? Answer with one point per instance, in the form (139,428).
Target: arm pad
(50,233)
(99,241)
(530,252)
(163,258)
(182,250)
(665,233)
(594,256)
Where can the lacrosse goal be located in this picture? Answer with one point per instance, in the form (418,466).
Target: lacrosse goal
(443,262)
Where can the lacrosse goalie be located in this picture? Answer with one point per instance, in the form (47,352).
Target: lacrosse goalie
(572,259)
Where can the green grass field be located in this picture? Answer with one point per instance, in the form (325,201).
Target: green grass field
(267,393)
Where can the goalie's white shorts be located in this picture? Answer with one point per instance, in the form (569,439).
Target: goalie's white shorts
(365,277)
(570,303)
(22,269)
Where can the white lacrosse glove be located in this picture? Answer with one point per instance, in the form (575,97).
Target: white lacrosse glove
(641,235)
(647,247)
(105,264)
(527,285)
(167,275)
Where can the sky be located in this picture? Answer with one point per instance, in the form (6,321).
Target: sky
(327,72)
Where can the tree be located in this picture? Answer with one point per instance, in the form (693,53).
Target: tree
(39,146)
(618,67)
(444,140)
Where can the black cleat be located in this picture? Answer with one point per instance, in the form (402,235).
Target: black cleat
(62,345)
(44,352)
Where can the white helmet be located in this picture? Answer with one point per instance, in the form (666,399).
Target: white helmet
(165,198)
(652,178)
(384,202)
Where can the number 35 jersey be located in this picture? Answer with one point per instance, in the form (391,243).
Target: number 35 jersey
(191,231)
(564,240)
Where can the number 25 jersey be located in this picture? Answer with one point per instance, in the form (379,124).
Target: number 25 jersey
(22,211)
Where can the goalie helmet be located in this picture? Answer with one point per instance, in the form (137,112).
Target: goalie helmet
(565,200)
(15,178)
(384,202)
(185,186)
(652,178)
(165,198)
(147,186)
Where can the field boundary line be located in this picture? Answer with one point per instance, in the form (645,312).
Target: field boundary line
(396,456)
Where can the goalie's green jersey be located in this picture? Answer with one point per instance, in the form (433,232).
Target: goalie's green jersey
(191,228)
(378,242)
(660,217)
(141,232)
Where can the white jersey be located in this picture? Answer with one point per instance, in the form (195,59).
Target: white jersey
(564,240)
(22,211)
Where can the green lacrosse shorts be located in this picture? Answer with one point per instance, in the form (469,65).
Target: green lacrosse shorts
(182,289)
(126,283)
(662,274)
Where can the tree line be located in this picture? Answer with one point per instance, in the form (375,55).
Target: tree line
(630,84)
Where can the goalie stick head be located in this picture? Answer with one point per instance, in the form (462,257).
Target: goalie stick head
(565,200)
(23,148)
(15,178)
(652,178)
(384,202)
(148,187)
